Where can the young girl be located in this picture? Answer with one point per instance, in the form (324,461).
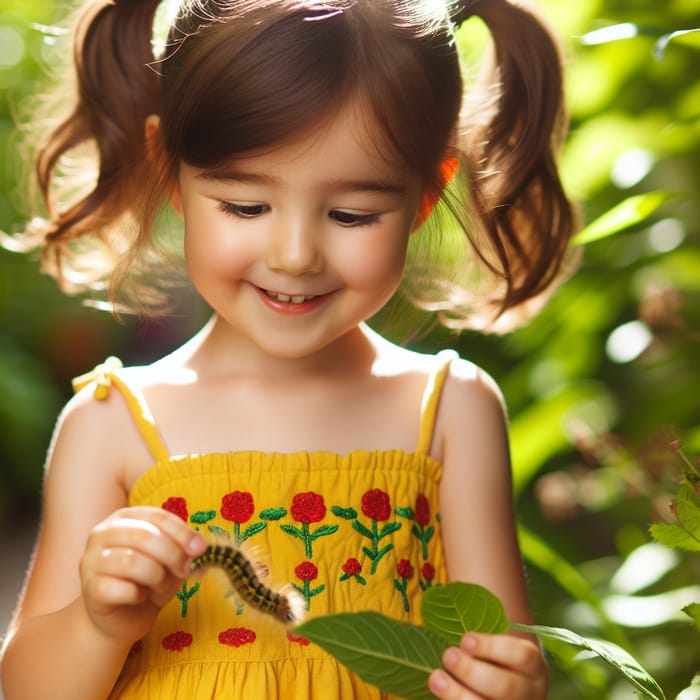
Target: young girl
(304,143)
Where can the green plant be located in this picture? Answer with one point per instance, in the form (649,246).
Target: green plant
(398,657)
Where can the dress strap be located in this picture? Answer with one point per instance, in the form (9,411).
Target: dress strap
(106,375)
(431,399)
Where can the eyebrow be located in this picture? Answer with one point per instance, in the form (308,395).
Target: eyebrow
(363,186)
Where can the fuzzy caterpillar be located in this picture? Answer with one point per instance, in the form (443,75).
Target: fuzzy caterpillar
(285,605)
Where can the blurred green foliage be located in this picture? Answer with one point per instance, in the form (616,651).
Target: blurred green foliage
(602,386)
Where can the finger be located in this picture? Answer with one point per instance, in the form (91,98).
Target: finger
(131,565)
(520,655)
(158,538)
(489,680)
(443,686)
(177,529)
(107,592)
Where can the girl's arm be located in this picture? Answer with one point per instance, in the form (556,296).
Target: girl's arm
(100,572)
(479,534)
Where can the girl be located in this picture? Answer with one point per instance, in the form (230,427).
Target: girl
(304,143)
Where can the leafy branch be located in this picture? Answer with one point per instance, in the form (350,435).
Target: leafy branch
(398,657)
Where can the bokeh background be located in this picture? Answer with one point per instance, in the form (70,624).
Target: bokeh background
(603,386)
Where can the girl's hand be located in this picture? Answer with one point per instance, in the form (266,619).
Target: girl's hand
(133,564)
(491,667)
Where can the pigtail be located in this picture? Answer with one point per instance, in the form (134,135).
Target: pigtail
(510,138)
(116,91)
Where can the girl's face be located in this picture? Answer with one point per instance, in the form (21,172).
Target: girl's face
(295,246)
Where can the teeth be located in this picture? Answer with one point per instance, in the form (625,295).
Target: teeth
(296,299)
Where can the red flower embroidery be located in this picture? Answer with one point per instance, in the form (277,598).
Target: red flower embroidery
(376,505)
(352,567)
(176,505)
(238,506)
(422,510)
(428,571)
(177,641)
(404,568)
(237,636)
(308,507)
(306,571)
(298,639)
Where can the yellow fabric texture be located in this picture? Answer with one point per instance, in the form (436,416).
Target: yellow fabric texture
(350,532)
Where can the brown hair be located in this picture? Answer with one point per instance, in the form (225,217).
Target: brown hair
(239,75)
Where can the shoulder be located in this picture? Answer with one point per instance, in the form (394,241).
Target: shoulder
(472,415)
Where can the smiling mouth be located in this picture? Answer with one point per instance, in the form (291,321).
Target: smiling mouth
(292,298)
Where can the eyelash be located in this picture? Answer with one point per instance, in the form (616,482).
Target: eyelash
(251,211)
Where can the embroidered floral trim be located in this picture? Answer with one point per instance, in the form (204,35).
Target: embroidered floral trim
(238,507)
(298,639)
(307,572)
(404,572)
(184,595)
(307,508)
(177,641)
(237,636)
(352,569)
(176,505)
(377,506)
(422,529)
(427,576)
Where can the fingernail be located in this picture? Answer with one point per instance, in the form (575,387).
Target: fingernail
(438,681)
(450,658)
(195,545)
(469,643)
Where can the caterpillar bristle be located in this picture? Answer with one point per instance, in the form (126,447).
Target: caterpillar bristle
(292,606)
(287,606)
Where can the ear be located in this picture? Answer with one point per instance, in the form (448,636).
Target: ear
(151,133)
(431,197)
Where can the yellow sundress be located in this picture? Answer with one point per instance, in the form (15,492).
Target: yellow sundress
(350,532)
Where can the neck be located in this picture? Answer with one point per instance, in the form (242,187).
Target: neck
(217,350)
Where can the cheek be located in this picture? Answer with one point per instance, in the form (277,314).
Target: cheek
(380,263)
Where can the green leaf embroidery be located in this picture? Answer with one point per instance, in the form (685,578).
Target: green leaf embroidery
(396,657)
(273,513)
(388,529)
(362,529)
(345,513)
(216,530)
(456,608)
(406,512)
(252,530)
(611,653)
(324,530)
(291,530)
(202,516)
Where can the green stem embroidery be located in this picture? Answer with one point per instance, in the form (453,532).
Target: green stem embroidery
(184,595)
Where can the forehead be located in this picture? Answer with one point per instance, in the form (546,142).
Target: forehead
(346,142)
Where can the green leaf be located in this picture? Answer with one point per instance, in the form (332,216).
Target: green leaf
(394,656)
(693,612)
(685,534)
(456,608)
(674,536)
(629,212)
(611,653)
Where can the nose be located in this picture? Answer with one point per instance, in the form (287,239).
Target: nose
(294,248)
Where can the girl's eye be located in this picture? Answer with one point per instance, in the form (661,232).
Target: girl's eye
(242,211)
(348,218)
